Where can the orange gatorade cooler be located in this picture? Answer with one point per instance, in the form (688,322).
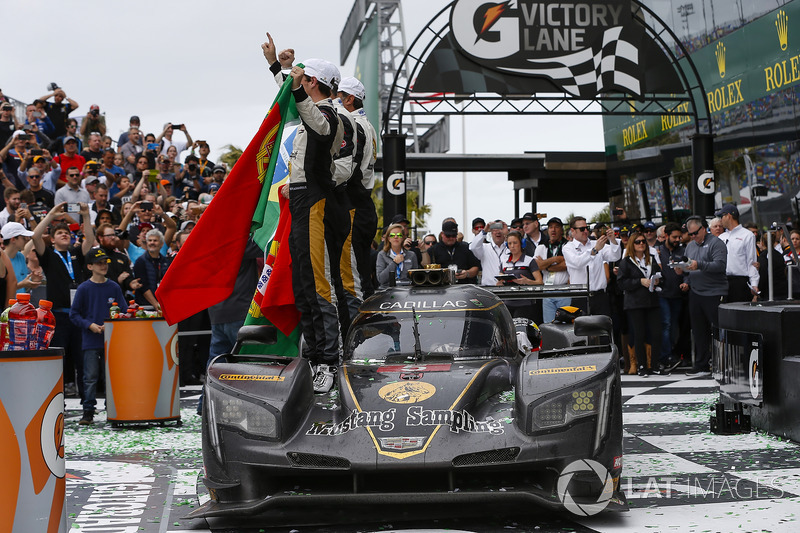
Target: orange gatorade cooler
(141,370)
(32,441)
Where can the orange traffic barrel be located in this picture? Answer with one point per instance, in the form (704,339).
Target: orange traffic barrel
(141,370)
(32,441)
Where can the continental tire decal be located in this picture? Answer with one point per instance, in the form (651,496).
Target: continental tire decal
(563,370)
(245,377)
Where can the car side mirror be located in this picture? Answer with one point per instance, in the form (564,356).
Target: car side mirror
(593,326)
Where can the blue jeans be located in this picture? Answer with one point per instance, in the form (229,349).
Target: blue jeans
(549,306)
(223,337)
(91,371)
(670,320)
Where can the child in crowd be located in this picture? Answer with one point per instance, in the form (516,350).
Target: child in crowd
(91,306)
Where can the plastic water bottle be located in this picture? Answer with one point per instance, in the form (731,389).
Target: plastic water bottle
(133,307)
(114,311)
(4,325)
(45,325)
(22,324)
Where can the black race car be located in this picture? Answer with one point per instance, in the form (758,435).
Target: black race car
(440,399)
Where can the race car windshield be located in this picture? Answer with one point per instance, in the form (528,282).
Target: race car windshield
(459,335)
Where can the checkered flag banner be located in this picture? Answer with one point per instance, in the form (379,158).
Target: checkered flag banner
(586,73)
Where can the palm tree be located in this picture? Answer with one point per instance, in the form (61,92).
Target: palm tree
(231,156)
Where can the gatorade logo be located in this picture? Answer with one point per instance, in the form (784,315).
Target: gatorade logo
(45,439)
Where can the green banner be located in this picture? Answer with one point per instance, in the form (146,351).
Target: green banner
(367,73)
(753,62)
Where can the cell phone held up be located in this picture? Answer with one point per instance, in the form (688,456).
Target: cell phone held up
(177,126)
(73,208)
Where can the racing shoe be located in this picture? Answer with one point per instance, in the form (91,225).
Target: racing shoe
(324,378)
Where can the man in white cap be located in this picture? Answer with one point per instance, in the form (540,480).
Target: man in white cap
(338,211)
(359,188)
(15,236)
(310,186)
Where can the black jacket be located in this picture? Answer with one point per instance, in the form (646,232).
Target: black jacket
(637,296)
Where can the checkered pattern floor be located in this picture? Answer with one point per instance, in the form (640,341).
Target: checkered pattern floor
(678,476)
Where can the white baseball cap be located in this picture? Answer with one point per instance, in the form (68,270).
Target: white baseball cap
(14,229)
(352,86)
(325,71)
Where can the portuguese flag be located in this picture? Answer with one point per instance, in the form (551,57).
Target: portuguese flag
(204,272)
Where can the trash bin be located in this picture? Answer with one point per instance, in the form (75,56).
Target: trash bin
(32,441)
(141,371)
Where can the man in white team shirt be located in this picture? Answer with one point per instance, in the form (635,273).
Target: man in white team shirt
(550,258)
(489,251)
(581,253)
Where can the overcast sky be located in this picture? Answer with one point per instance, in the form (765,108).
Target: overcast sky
(199,62)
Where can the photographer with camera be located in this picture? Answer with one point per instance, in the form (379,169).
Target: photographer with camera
(39,124)
(93,122)
(490,251)
(58,112)
(8,122)
(191,176)
(13,154)
(206,165)
(165,139)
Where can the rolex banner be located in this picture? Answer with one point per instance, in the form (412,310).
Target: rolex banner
(581,48)
(751,71)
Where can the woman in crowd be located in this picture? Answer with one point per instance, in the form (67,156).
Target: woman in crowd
(394,261)
(641,305)
(779,282)
(525,271)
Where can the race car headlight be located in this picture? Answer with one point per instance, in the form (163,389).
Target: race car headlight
(564,408)
(239,413)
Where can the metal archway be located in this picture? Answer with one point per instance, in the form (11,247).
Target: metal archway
(404,101)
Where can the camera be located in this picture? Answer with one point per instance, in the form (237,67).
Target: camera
(192,166)
(26,127)
(53,86)
(37,114)
(146,206)
(8,107)
(496,225)
(94,112)
(617,211)
(23,205)
(177,126)
(37,151)
(73,208)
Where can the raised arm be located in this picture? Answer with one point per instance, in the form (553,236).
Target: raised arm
(38,232)
(88,229)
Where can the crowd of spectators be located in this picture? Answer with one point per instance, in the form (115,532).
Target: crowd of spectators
(661,285)
(69,189)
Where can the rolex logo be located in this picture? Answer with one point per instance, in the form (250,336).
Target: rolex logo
(782,25)
(720,53)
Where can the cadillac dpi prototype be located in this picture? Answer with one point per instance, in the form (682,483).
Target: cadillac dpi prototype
(441,397)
